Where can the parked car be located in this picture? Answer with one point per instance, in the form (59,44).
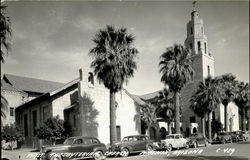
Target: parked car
(237,136)
(174,141)
(79,147)
(132,144)
(246,135)
(223,137)
(197,139)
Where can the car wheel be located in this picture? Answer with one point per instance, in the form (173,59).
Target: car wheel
(206,143)
(169,147)
(124,152)
(186,146)
(56,157)
(98,155)
(195,145)
(150,148)
(230,140)
(223,141)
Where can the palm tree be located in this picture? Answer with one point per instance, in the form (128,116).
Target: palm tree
(228,87)
(165,107)
(241,100)
(5,32)
(114,63)
(175,66)
(205,100)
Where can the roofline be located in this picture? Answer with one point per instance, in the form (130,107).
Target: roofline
(50,94)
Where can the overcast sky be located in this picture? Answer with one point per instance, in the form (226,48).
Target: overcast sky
(51,40)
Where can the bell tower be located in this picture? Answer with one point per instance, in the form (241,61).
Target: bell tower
(197,42)
(203,65)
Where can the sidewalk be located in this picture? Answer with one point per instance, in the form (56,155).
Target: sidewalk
(20,154)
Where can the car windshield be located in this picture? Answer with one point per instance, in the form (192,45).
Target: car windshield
(68,141)
(170,137)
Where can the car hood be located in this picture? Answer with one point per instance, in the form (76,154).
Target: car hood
(167,140)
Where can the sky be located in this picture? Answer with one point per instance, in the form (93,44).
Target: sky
(51,39)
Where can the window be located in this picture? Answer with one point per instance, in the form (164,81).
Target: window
(45,112)
(91,79)
(177,136)
(205,46)
(201,29)
(208,70)
(26,125)
(199,45)
(192,119)
(191,30)
(191,46)
(11,111)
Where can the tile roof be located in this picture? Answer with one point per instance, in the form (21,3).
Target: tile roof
(31,84)
(136,98)
(7,86)
(150,96)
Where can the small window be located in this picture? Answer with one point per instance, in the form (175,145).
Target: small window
(199,45)
(191,30)
(208,70)
(191,46)
(192,119)
(201,29)
(177,136)
(94,141)
(11,111)
(78,141)
(91,79)
(205,46)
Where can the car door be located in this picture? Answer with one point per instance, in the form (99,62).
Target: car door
(142,144)
(177,143)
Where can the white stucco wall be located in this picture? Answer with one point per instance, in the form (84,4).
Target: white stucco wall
(233,112)
(100,96)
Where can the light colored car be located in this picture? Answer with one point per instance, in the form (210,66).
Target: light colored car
(174,141)
(246,135)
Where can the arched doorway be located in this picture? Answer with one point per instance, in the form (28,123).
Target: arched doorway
(194,130)
(152,133)
(163,133)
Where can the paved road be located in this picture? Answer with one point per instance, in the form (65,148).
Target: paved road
(230,151)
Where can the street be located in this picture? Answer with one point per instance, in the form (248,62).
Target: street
(239,151)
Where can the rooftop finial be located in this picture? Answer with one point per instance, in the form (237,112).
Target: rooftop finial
(194,2)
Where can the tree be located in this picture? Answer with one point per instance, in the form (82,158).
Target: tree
(52,129)
(228,88)
(114,63)
(241,100)
(5,32)
(165,107)
(205,100)
(175,66)
(12,133)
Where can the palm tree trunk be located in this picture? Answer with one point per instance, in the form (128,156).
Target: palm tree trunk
(203,126)
(243,120)
(112,118)
(169,128)
(209,126)
(177,112)
(226,119)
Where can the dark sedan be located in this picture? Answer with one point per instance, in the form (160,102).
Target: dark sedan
(75,148)
(132,144)
(223,137)
(197,139)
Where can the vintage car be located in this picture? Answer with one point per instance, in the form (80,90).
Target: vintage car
(174,141)
(237,136)
(223,137)
(246,135)
(197,139)
(132,144)
(75,148)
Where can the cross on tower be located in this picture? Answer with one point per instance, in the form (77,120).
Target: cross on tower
(194,2)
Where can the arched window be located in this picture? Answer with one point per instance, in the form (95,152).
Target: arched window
(91,79)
